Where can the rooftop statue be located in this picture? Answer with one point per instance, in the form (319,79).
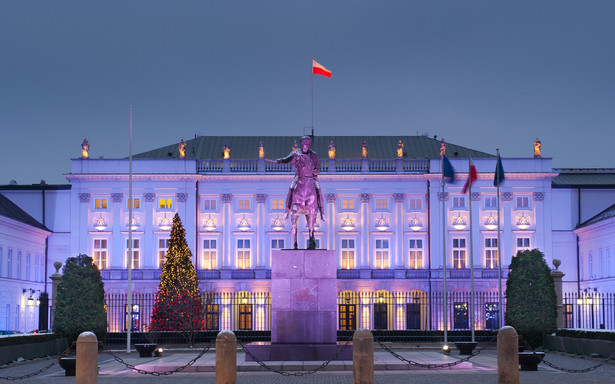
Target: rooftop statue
(304,196)
(537,146)
(400,149)
(182,149)
(364,149)
(331,150)
(85,149)
(442,148)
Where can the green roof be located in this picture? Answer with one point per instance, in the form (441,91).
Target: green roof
(347,147)
(585,177)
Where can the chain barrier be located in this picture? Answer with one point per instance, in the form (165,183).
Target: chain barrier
(38,372)
(164,373)
(296,373)
(423,365)
(563,369)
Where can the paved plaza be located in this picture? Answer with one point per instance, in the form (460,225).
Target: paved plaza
(480,369)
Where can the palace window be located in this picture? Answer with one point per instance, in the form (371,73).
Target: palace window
(165,203)
(522,203)
(491,252)
(277,205)
(491,202)
(459,253)
(277,244)
(382,254)
(347,204)
(415,254)
(243,253)
(348,254)
(18,264)
(1,262)
(600,265)
(210,205)
(9,263)
(523,244)
(136,205)
(607,250)
(100,204)
(590,262)
(210,254)
(415,204)
(29,264)
(458,202)
(36,267)
(163,247)
(100,253)
(382,204)
(307,243)
(135,253)
(243,205)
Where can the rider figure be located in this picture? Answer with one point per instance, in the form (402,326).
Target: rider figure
(307,165)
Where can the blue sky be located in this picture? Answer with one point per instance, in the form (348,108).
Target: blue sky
(482,74)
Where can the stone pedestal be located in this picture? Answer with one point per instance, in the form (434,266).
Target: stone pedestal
(303,308)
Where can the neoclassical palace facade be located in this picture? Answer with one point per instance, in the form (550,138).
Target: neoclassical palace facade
(396,233)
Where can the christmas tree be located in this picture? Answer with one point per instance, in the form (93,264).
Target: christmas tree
(178,301)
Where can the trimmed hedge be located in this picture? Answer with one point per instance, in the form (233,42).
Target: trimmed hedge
(586,334)
(26,339)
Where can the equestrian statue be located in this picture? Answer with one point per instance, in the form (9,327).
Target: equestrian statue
(304,196)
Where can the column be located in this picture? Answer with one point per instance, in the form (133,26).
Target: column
(148,210)
(226,199)
(117,254)
(261,198)
(477,246)
(398,240)
(507,246)
(84,208)
(331,197)
(365,231)
(557,280)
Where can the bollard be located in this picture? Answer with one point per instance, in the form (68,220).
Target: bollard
(87,359)
(508,356)
(363,357)
(226,358)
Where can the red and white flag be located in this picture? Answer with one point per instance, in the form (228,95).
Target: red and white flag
(472,176)
(318,69)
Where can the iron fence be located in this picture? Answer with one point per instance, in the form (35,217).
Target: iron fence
(594,310)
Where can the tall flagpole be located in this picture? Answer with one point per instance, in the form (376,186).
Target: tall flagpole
(497,178)
(129,259)
(444,304)
(312,70)
(471,249)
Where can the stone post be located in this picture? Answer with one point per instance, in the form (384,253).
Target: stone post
(363,357)
(508,355)
(87,359)
(226,358)
(557,280)
(55,281)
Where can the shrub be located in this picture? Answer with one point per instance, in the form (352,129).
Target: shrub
(530,297)
(80,300)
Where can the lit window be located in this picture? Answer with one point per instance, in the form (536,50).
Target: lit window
(415,204)
(522,202)
(210,204)
(523,244)
(277,205)
(210,254)
(347,204)
(163,246)
(459,202)
(100,253)
(243,253)
(348,254)
(277,244)
(491,202)
(382,204)
(136,205)
(100,204)
(415,254)
(491,252)
(243,205)
(135,253)
(165,203)
(459,253)
(382,254)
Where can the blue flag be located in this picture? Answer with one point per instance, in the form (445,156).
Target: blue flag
(448,172)
(498,178)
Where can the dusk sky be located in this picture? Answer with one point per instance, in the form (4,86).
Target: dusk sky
(482,74)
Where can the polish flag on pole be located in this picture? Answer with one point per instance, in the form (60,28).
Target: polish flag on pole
(472,176)
(318,69)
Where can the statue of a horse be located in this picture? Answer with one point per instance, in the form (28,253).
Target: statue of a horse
(304,202)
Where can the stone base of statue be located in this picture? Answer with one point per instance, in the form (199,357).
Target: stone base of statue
(303,309)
